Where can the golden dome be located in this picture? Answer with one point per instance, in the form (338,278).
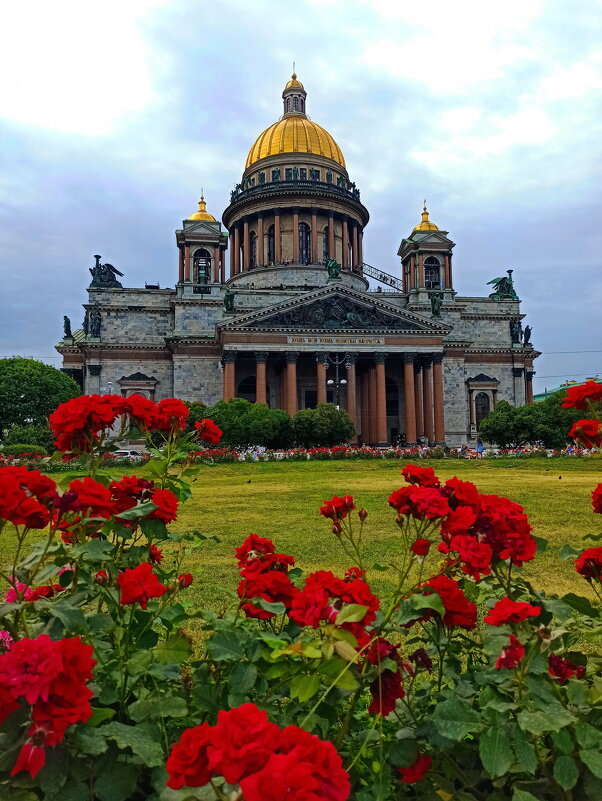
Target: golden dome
(202,213)
(294,83)
(295,134)
(426,224)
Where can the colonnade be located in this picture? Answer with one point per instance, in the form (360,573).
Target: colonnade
(240,239)
(366,388)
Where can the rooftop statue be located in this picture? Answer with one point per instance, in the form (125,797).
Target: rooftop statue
(66,327)
(527,335)
(436,303)
(104,276)
(229,300)
(503,288)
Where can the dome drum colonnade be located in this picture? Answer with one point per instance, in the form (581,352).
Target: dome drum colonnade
(282,377)
(295,203)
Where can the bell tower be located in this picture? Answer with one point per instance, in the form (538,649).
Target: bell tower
(426,262)
(201,245)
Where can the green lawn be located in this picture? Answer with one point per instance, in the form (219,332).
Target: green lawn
(281,501)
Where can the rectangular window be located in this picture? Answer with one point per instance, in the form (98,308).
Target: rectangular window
(303,174)
(289,174)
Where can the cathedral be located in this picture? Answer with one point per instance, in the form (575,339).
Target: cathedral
(273,304)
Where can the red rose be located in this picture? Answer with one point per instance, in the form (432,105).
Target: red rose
(563,670)
(30,513)
(385,690)
(579,397)
(142,411)
(476,556)
(188,763)
(8,702)
(185,579)
(462,493)
(273,586)
(91,497)
(155,556)
(242,742)
(420,547)
(167,506)
(139,584)
(423,476)
(101,577)
(171,413)
(511,655)
(587,433)
(416,771)
(589,563)
(253,547)
(507,611)
(77,423)
(597,499)
(421,659)
(337,508)
(28,669)
(381,649)
(304,767)
(459,611)
(353,573)
(420,502)
(208,431)
(129,491)
(460,521)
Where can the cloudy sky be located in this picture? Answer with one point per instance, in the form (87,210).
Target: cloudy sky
(113,115)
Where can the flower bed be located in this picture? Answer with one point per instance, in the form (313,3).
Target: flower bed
(463,683)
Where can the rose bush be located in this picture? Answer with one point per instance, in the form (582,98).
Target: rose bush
(464,683)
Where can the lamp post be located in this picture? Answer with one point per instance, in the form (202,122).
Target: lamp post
(336,383)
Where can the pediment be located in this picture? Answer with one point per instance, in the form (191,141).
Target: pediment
(202,227)
(339,309)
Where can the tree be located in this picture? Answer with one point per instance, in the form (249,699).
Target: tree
(30,391)
(545,423)
(244,423)
(322,427)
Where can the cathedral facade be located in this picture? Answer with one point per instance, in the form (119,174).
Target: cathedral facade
(274,305)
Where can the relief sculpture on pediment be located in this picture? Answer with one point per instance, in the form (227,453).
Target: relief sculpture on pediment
(332,314)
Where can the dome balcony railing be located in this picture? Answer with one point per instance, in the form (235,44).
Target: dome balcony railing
(273,187)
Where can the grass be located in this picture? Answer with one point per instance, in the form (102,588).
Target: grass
(281,501)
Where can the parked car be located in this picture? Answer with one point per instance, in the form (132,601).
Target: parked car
(127,455)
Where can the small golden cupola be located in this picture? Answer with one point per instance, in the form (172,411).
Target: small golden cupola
(202,213)
(426,224)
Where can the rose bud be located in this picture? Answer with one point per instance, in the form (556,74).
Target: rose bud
(185,579)
(336,528)
(102,577)
(362,514)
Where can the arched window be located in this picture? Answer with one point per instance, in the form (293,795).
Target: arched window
(302,105)
(253,249)
(246,389)
(304,243)
(271,245)
(288,104)
(325,254)
(432,273)
(201,267)
(295,104)
(482,406)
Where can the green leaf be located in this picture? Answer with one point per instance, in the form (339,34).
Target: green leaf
(276,608)
(577,692)
(563,741)
(71,617)
(95,550)
(495,752)
(135,738)
(593,760)
(99,715)
(566,771)
(581,604)
(243,678)
(381,568)
(587,736)
(118,783)
(138,511)
(139,663)
(552,719)
(89,740)
(164,706)
(225,645)
(351,613)
(568,552)
(542,544)
(454,719)
(175,650)
(525,753)
(523,795)
(305,686)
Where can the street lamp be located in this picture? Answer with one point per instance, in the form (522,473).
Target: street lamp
(336,383)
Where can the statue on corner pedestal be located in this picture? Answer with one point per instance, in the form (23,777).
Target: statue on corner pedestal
(104,276)
(67,327)
(95,322)
(516,331)
(436,303)
(229,300)
(334,268)
(527,335)
(503,288)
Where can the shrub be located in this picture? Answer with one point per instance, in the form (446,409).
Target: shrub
(324,426)
(19,449)
(39,435)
